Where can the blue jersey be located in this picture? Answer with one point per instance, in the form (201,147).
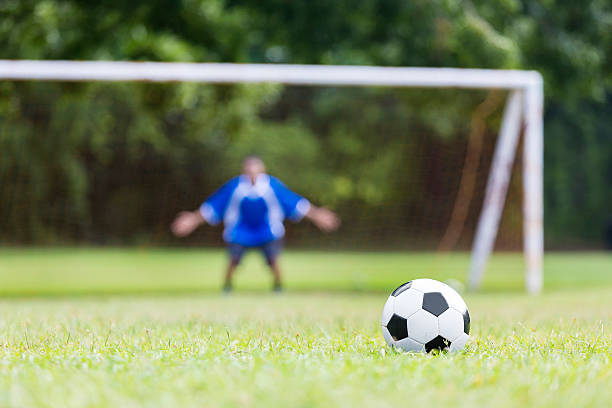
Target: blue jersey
(253,214)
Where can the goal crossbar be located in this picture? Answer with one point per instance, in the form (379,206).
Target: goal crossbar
(523,112)
(281,73)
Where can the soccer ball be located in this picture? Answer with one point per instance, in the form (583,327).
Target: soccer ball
(425,315)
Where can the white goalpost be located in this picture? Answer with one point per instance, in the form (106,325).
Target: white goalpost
(523,111)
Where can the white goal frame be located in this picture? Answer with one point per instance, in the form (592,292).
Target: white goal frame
(523,111)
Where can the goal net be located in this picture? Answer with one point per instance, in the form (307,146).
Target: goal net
(410,158)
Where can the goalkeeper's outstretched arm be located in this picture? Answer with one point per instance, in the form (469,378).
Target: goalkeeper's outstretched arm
(186,222)
(325,219)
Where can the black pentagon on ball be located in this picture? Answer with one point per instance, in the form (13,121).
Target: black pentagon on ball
(439,343)
(398,327)
(401,289)
(435,303)
(466,322)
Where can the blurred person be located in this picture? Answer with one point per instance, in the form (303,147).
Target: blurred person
(252,207)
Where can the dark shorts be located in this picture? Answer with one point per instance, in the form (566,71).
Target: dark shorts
(270,251)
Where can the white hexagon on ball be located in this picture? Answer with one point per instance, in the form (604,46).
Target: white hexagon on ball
(387,310)
(453,298)
(387,336)
(427,285)
(408,303)
(410,345)
(450,324)
(459,343)
(422,326)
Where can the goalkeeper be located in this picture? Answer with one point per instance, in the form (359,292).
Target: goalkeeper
(252,208)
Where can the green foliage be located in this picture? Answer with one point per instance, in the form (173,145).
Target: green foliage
(74,154)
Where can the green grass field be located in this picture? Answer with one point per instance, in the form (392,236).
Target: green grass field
(122,328)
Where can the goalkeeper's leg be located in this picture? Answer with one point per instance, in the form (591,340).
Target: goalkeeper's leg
(235,254)
(271,251)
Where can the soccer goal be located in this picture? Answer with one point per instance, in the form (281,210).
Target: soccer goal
(522,115)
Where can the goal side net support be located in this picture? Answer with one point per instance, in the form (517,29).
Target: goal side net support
(523,113)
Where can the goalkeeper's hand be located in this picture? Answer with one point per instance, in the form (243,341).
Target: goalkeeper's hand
(325,219)
(186,222)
